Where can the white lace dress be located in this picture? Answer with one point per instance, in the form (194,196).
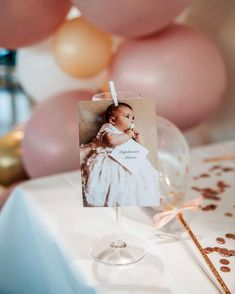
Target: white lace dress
(107,183)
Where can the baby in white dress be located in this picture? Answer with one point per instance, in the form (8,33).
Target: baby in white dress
(105,181)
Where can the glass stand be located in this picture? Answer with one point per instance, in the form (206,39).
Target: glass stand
(118,249)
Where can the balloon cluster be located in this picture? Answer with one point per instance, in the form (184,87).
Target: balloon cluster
(65,57)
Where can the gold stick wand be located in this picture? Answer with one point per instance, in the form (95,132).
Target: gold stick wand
(172,212)
(206,258)
(220,158)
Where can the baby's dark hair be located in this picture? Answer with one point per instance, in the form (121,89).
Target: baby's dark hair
(109,111)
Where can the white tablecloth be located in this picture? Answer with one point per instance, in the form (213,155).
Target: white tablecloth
(45,235)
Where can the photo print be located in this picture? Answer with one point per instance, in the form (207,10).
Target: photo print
(118,153)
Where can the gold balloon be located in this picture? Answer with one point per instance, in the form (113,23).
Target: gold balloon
(11,166)
(3,195)
(81,49)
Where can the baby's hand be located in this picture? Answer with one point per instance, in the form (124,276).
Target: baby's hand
(138,137)
(131,133)
(137,132)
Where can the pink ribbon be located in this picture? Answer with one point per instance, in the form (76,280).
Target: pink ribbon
(162,218)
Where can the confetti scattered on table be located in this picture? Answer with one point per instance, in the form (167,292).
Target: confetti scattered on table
(225,269)
(229,214)
(217,193)
(209,207)
(230,236)
(224,261)
(220,240)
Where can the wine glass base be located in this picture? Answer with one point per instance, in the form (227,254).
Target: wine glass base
(125,250)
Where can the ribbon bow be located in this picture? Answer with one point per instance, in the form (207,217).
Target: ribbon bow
(162,218)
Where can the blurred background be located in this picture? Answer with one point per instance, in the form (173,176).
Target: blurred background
(216,19)
(179,51)
(15,103)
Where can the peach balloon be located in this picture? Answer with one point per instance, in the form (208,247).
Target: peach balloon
(80,49)
(182,68)
(25,22)
(51,141)
(133,18)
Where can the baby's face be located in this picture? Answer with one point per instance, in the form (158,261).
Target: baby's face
(123,117)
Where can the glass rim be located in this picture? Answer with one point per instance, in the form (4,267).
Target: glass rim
(119,93)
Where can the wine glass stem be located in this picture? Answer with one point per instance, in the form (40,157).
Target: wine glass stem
(118,242)
(118,221)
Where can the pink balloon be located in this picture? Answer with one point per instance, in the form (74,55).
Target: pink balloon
(180,67)
(51,141)
(132,18)
(28,21)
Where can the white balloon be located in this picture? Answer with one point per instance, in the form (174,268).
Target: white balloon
(40,76)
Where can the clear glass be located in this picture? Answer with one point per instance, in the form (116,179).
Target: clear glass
(174,162)
(121,95)
(117,249)
(174,169)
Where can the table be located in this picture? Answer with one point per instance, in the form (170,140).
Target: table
(45,235)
